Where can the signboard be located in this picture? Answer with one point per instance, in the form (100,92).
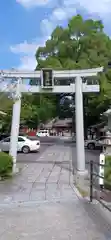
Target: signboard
(101,169)
(47,78)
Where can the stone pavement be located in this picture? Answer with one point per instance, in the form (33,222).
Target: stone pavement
(48,178)
(41,204)
(64,220)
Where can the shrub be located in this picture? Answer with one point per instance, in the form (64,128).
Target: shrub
(6,164)
(107,174)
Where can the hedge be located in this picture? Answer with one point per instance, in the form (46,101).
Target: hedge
(107,174)
(6,164)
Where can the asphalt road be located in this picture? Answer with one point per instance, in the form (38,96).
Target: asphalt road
(31,157)
(47,142)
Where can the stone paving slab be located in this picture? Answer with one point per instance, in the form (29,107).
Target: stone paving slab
(43,180)
(50,221)
(40,203)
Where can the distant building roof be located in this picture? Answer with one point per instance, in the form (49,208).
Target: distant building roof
(98,125)
(63,122)
(49,124)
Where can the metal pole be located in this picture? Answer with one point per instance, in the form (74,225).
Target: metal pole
(79,126)
(91,181)
(15,124)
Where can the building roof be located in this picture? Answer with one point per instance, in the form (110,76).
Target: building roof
(56,122)
(49,124)
(98,125)
(63,122)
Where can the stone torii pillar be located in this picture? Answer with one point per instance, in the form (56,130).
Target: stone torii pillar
(15,124)
(80,152)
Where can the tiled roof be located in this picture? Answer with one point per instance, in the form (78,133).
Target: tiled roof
(62,122)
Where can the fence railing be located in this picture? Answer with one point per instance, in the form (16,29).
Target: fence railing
(94,183)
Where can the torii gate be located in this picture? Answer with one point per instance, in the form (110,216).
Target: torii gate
(47,83)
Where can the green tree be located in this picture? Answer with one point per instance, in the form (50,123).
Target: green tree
(5,106)
(36,108)
(82,44)
(5,102)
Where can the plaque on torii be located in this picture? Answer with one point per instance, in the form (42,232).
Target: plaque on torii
(47,79)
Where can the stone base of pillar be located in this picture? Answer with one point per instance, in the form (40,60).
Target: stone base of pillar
(15,169)
(80,177)
(82,173)
(82,181)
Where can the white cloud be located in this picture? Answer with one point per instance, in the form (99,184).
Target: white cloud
(68,2)
(33,3)
(47,27)
(59,14)
(100,7)
(27,51)
(27,63)
(64,13)
(24,47)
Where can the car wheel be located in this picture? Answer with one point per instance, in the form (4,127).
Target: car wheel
(25,149)
(91,146)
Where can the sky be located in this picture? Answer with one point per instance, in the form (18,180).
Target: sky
(26,24)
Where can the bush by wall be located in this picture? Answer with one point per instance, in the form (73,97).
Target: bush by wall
(107,174)
(6,164)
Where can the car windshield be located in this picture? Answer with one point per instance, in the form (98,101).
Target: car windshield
(6,139)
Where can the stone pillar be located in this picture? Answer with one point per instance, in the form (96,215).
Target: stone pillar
(80,151)
(15,124)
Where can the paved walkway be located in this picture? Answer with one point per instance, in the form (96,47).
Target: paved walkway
(40,203)
(47,179)
(65,220)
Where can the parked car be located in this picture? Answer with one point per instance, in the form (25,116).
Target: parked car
(4,135)
(25,144)
(94,143)
(43,133)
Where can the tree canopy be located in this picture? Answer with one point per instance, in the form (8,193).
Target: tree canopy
(82,44)
(35,108)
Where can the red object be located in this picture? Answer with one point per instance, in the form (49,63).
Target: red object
(28,131)
(32,133)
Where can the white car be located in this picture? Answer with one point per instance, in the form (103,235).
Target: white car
(43,133)
(94,143)
(25,145)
